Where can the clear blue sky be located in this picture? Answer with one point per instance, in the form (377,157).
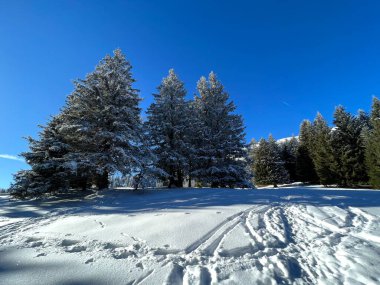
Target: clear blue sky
(281,61)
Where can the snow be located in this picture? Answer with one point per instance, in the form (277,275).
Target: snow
(283,140)
(293,235)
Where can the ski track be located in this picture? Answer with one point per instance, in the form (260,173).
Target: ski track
(285,243)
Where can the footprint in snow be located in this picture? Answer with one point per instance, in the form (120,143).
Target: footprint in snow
(68,242)
(41,254)
(139,265)
(218,212)
(36,244)
(89,260)
(75,248)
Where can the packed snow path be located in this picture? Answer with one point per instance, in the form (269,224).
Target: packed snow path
(194,236)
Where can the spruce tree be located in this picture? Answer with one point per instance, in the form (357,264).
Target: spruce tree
(349,148)
(288,150)
(372,153)
(322,151)
(49,171)
(102,121)
(305,168)
(167,124)
(268,167)
(221,158)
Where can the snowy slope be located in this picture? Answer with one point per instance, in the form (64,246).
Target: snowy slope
(194,236)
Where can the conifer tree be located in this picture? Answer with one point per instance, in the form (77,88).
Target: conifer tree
(322,151)
(221,158)
(194,140)
(305,168)
(268,167)
(349,148)
(288,150)
(102,121)
(49,173)
(167,124)
(372,154)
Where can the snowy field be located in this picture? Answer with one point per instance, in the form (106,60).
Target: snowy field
(194,236)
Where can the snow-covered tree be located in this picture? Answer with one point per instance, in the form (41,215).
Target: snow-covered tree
(372,153)
(322,151)
(221,157)
(349,148)
(167,125)
(288,150)
(102,121)
(268,167)
(305,168)
(49,173)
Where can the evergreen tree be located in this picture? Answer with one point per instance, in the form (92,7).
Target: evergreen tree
(168,122)
(322,151)
(372,154)
(49,173)
(305,168)
(194,140)
(221,158)
(288,150)
(102,121)
(349,148)
(268,167)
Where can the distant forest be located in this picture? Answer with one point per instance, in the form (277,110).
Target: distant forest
(347,155)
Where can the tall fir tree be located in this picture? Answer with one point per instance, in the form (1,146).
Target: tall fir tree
(322,151)
(372,153)
(221,158)
(268,166)
(167,125)
(102,121)
(288,151)
(349,148)
(305,168)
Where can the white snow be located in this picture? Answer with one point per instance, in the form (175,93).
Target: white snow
(293,235)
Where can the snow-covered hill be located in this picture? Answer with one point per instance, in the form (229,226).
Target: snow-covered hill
(194,236)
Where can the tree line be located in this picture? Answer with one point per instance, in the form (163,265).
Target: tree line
(100,132)
(347,154)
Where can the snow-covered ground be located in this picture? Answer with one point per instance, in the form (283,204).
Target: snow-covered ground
(194,236)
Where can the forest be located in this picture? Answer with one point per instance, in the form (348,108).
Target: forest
(99,139)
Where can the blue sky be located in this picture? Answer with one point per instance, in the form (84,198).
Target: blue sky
(281,61)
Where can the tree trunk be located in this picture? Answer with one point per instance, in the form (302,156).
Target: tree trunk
(102,180)
(179,179)
(171,182)
(83,184)
(189,185)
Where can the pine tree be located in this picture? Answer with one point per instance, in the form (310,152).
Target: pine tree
(268,167)
(221,158)
(372,153)
(349,148)
(49,173)
(288,151)
(322,151)
(102,121)
(168,122)
(194,141)
(305,168)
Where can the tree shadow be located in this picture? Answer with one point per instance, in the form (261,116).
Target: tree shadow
(125,201)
